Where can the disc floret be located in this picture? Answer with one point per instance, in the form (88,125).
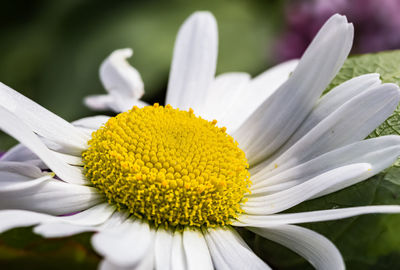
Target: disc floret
(169,167)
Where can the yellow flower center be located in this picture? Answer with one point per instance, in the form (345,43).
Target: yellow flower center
(169,167)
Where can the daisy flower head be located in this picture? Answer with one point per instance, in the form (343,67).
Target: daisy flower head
(164,186)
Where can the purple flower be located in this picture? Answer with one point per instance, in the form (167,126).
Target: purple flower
(376,25)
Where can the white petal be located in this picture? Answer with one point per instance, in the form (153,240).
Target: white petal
(80,222)
(122,104)
(93,123)
(122,82)
(280,201)
(107,265)
(114,222)
(77,223)
(47,195)
(125,245)
(20,131)
(194,62)
(113,225)
(380,152)
(145,264)
(229,251)
(162,249)
(113,102)
(254,93)
(21,153)
(99,102)
(280,115)
(332,101)
(20,218)
(69,159)
(42,121)
(313,216)
(178,260)
(10,219)
(119,77)
(265,84)
(63,225)
(351,122)
(224,91)
(265,188)
(196,250)
(11,178)
(56,230)
(233,96)
(11,171)
(315,248)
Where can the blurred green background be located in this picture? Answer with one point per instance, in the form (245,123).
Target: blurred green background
(51,50)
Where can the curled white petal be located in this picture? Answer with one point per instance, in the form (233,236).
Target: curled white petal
(122,82)
(119,77)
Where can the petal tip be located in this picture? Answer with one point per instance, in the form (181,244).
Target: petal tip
(204,18)
(202,15)
(339,18)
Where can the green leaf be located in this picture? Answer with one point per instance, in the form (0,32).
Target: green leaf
(366,242)
(387,64)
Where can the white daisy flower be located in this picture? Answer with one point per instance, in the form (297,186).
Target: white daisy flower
(163,188)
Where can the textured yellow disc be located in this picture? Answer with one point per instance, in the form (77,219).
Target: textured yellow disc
(169,167)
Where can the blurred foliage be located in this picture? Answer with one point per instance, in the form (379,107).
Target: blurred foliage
(51,50)
(21,249)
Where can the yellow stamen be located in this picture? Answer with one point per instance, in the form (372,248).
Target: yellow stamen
(169,167)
